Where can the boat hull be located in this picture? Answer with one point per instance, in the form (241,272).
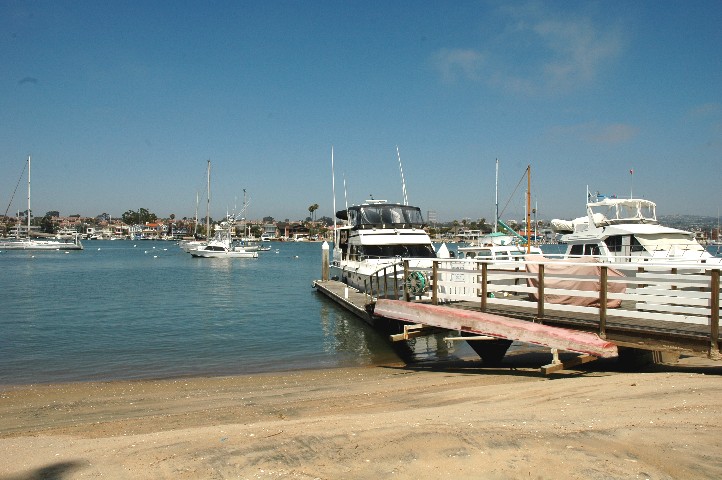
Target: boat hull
(217,254)
(40,245)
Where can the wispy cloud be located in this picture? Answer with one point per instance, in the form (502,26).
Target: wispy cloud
(454,64)
(611,134)
(706,110)
(538,52)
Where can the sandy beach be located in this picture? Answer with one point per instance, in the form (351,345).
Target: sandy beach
(451,421)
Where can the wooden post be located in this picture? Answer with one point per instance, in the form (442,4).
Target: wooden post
(603,302)
(386,283)
(714,314)
(540,292)
(406,275)
(324,262)
(396,283)
(484,287)
(435,287)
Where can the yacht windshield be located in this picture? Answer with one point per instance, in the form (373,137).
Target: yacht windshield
(398,216)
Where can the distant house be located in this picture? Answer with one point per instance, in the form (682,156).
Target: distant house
(270,231)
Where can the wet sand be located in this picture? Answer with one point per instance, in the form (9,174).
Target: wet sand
(453,421)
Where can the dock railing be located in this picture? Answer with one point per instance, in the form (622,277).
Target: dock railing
(653,299)
(386,282)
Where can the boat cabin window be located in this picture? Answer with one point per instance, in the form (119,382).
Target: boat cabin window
(584,249)
(502,255)
(391,251)
(614,243)
(483,254)
(636,246)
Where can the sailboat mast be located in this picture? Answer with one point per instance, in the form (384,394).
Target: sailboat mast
(243,218)
(528,209)
(403,182)
(28,196)
(333,191)
(496,198)
(195,226)
(208,202)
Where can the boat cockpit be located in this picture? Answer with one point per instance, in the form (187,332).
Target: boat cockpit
(382,215)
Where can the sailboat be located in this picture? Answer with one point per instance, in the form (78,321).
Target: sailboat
(188,245)
(29,243)
(221,245)
(500,246)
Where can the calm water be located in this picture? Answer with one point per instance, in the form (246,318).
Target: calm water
(143,309)
(124,309)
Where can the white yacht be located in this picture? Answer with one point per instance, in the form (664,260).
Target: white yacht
(41,244)
(627,230)
(377,235)
(222,246)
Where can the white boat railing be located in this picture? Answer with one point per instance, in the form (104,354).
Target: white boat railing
(654,296)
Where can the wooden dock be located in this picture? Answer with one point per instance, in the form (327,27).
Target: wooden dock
(349,298)
(649,309)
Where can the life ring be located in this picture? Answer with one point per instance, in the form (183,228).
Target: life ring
(416,283)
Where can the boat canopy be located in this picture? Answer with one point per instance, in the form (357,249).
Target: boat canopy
(611,211)
(673,243)
(382,215)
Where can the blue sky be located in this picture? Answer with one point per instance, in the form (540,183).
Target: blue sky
(121,104)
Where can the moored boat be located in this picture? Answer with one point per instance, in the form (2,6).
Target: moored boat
(377,235)
(222,246)
(626,230)
(29,243)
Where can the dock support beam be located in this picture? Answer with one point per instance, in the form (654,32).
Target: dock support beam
(557,364)
(603,280)
(714,315)
(325,268)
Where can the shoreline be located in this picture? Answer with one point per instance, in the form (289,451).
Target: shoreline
(441,421)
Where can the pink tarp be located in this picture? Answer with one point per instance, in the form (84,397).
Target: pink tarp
(567,267)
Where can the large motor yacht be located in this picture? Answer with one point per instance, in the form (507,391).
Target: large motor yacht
(377,235)
(627,230)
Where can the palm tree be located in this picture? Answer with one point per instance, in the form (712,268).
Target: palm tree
(312,209)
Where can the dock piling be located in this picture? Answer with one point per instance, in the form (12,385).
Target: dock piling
(325,268)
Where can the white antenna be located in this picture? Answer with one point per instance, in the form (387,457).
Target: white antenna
(496,198)
(333,189)
(208,202)
(345,196)
(28,196)
(403,182)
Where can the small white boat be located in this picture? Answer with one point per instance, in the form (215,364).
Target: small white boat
(42,244)
(188,245)
(221,250)
(221,246)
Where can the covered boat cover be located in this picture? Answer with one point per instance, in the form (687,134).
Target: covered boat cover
(572,267)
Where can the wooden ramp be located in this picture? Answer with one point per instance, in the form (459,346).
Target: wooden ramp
(349,298)
(496,326)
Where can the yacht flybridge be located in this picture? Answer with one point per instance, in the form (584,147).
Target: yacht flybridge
(378,234)
(627,230)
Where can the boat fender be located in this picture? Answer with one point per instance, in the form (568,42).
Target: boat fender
(416,283)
